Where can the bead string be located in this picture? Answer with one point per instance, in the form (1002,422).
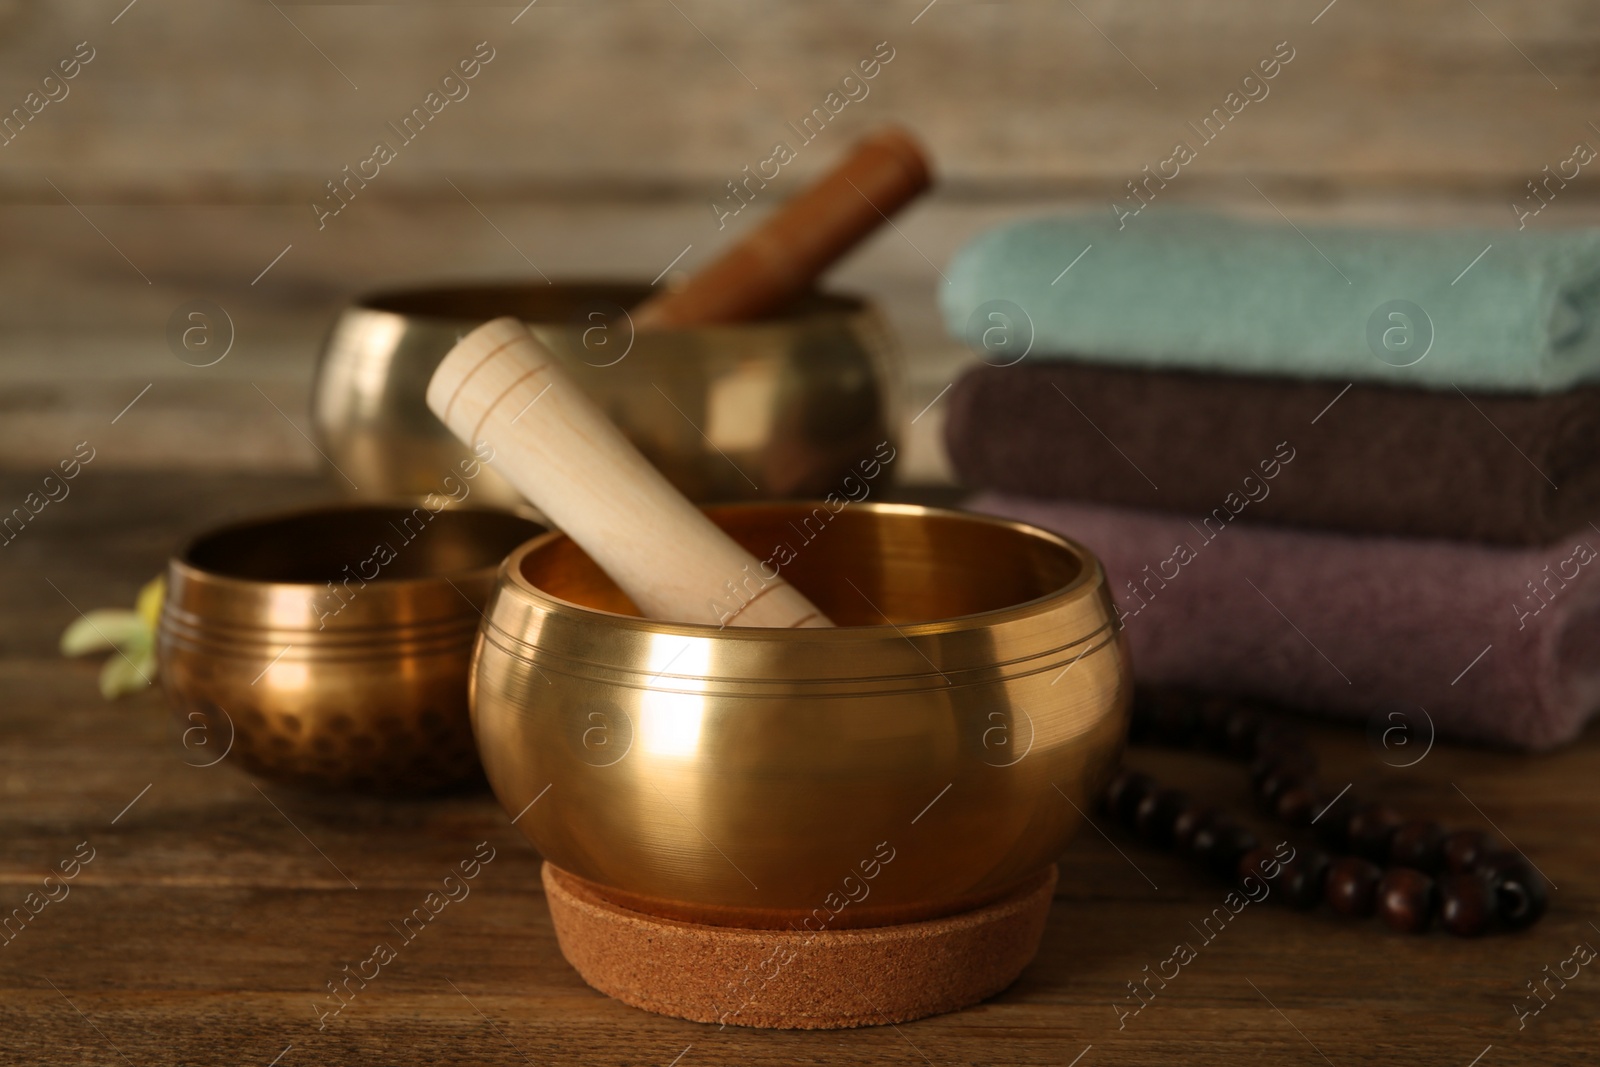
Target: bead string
(1410,872)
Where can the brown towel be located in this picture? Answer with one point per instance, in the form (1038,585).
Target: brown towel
(1501,468)
(1493,644)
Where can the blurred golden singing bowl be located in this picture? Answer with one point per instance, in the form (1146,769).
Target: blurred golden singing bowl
(778,408)
(332,647)
(933,752)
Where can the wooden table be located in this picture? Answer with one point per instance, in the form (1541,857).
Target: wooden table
(216,907)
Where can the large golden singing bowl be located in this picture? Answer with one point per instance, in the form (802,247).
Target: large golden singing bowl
(779,408)
(934,751)
(332,647)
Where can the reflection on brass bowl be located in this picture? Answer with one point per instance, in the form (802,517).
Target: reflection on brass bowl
(332,647)
(933,752)
(779,408)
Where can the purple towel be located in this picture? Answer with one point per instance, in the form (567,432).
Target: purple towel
(1499,645)
(1520,470)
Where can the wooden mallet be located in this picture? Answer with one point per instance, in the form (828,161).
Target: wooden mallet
(781,258)
(499,385)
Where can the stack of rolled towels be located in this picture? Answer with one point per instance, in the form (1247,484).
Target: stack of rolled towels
(1355,472)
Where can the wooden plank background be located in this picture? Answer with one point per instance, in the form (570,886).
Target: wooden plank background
(186,154)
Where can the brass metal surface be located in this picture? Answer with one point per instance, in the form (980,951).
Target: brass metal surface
(332,647)
(933,751)
(777,408)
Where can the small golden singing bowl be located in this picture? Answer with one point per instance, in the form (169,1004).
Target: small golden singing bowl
(788,404)
(332,647)
(933,752)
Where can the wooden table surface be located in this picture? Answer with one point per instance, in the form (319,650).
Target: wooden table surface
(216,907)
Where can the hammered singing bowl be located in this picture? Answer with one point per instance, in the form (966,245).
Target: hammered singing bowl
(782,407)
(332,647)
(934,751)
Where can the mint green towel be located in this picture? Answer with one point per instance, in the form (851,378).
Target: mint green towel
(1493,310)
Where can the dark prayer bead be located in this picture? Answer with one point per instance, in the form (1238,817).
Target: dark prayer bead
(1520,892)
(1233,841)
(1371,829)
(1302,878)
(1154,818)
(1466,904)
(1202,844)
(1258,862)
(1127,789)
(1220,844)
(1299,805)
(1418,843)
(1464,849)
(1352,886)
(1407,900)
(1189,822)
(1275,785)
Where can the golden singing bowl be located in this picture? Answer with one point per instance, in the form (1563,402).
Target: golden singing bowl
(778,408)
(933,752)
(332,647)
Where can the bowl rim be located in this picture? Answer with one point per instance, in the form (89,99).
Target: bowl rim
(1089,579)
(819,304)
(179,563)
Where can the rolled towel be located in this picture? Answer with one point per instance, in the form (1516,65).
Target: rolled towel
(1497,645)
(1183,290)
(1487,467)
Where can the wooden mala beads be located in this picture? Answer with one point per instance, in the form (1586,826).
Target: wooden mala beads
(1412,873)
